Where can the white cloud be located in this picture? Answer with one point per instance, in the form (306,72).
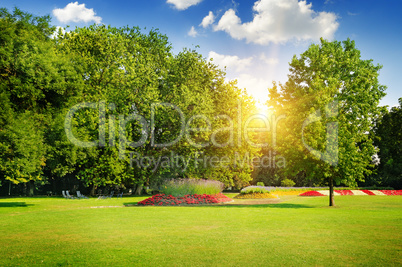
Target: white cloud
(269,60)
(192,32)
(76,13)
(230,62)
(183,4)
(207,20)
(279,21)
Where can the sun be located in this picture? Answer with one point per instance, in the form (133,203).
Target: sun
(262,108)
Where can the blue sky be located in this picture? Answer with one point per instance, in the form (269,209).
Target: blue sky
(255,40)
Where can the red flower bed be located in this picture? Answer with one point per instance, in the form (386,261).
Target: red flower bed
(344,192)
(311,194)
(368,192)
(164,200)
(392,192)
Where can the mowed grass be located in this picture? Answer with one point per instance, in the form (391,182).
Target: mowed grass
(361,230)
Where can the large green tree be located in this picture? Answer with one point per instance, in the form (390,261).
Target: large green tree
(121,71)
(329,105)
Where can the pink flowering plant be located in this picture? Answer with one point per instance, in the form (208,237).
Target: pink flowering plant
(169,200)
(344,192)
(392,192)
(368,192)
(311,194)
(356,192)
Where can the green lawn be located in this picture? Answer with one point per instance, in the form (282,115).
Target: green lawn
(361,230)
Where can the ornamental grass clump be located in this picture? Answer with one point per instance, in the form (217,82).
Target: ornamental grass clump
(182,187)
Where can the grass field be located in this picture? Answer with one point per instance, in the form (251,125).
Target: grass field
(361,230)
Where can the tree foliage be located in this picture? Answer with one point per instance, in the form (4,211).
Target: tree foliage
(129,94)
(388,139)
(114,107)
(33,81)
(329,103)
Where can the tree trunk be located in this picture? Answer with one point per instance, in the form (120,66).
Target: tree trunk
(331,192)
(138,190)
(31,188)
(92,193)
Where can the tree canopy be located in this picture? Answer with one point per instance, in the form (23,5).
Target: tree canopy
(329,104)
(388,138)
(109,106)
(34,78)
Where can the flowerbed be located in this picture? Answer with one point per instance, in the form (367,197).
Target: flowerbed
(182,187)
(286,192)
(392,192)
(368,192)
(169,200)
(355,193)
(344,192)
(254,195)
(311,194)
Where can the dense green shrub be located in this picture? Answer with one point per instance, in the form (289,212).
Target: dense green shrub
(287,183)
(260,184)
(251,190)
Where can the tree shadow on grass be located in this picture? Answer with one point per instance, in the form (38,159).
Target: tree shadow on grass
(271,205)
(132,204)
(14,204)
(275,206)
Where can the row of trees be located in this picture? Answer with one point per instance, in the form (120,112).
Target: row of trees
(101,106)
(387,137)
(132,94)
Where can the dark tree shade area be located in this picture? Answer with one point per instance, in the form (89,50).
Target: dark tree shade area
(388,139)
